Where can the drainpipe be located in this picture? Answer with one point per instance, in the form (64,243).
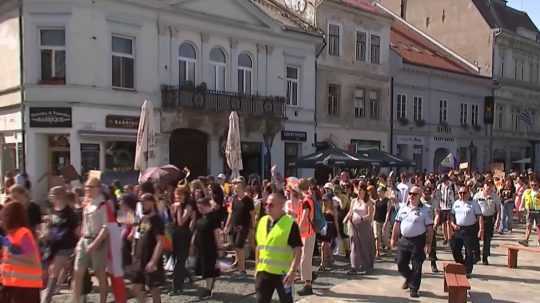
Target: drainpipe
(392,115)
(22,163)
(319,52)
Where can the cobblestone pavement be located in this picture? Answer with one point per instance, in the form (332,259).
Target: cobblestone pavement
(493,283)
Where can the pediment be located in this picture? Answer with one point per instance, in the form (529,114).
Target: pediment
(238,11)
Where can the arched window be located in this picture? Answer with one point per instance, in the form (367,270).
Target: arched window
(218,65)
(245,68)
(187,58)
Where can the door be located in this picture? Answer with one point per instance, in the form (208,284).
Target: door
(189,147)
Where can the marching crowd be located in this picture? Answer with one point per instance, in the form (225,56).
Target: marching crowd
(185,227)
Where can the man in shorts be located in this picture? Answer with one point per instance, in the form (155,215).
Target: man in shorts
(531,203)
(239,223)
(446,194)
(92,248)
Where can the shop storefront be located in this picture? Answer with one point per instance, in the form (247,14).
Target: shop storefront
(293,141)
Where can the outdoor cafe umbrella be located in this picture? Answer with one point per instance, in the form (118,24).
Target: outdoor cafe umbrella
(233,149)
(144,150)
(163,175)
(332,157)
(384,159)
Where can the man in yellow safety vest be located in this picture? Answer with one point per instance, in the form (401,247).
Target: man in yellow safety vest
(279,250)
(531,203)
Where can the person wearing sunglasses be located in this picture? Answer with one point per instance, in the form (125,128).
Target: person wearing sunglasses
(415,224)
(468,227)
(531,203)
(278,254)
(490,204)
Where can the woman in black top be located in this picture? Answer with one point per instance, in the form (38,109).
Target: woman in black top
(381,219)
(207,244)
(330,215)
(182,211)
(20,194)
(507,194)
(61,237)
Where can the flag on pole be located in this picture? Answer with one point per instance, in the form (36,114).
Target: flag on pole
(449,161)
(527,117)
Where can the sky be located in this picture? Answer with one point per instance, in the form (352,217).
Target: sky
(532,7)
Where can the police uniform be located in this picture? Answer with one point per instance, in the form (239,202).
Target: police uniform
(490,207)
(465,216)
(414,223)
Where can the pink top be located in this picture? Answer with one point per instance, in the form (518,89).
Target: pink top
(359,209)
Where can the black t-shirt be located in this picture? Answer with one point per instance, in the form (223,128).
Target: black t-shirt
(62,228)
(241,212)
(381,207)
(295,240)
(150,228)
(34,215)
(205,240)
(507,194)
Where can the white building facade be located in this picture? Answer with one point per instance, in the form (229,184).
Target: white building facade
(88,66)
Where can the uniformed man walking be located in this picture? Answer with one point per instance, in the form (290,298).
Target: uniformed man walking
(415,224)
(490,204)
(468,226)
(278,254)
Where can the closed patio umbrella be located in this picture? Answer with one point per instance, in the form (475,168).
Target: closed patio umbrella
(233,150)
(144,151)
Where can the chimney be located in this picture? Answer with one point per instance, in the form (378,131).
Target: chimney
(403,12)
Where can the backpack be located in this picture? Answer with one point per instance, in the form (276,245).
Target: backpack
(319,222)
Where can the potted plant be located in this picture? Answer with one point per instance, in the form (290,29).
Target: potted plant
(403,121)
(420,123)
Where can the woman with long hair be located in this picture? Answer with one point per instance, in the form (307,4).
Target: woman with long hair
(330,215)
(361,234)
(183,212)
(20,194)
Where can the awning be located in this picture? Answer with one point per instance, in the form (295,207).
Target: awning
(118,136)
(523,161)
(332,157)
(384,159)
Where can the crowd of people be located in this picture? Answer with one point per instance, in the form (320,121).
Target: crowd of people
(184,227)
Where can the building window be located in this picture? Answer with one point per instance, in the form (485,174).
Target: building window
(218,65)
(245,70)
(333,99)
(428,21)
(500,116)
(361,46)
(463,114)
(53,55)
(292,85)
(187,58)
(443,111)
(374,105)
(359,103)
(474,114)
(334,41)
(375,49)
(119,155)
(123,62)
(362,145)
(401,112)
(417,107)
(292,151)
(515,119)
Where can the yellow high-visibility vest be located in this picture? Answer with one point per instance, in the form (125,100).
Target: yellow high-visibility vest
(274,253)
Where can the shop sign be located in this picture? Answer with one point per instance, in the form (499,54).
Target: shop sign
(118,121)
(410,140)
(50,117)
(287,135)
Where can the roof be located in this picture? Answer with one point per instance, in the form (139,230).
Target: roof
(499,15)
(281,14)
(416,47)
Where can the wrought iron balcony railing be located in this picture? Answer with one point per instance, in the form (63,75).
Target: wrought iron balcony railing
(201,99)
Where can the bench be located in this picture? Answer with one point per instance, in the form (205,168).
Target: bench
(456,283)
(513,253)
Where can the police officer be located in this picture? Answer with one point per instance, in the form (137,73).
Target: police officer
(279,249)
(468,226)
(490,204)
(415,224)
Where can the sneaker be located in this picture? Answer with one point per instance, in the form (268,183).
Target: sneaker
(205,294)
(305,291)
(524,242)
(485,262)
(414,293)
(405,285)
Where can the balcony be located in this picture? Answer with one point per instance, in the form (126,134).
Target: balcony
(200,99)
